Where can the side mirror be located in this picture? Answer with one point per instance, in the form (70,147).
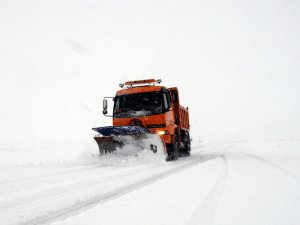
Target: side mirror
(105,105)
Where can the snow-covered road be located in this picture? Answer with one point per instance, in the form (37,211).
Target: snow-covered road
(224,183)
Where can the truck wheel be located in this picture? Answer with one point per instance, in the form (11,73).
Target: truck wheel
(187,144)
(173,149)
(176,147)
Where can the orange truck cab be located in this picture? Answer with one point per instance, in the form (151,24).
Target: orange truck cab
(147,104)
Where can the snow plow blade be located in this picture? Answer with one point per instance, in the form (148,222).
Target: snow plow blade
(136,138)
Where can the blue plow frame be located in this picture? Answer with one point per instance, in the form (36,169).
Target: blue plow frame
(120,130)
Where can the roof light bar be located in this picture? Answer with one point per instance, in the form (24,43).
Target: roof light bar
(141,82)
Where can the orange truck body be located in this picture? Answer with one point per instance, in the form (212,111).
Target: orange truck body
(167,124)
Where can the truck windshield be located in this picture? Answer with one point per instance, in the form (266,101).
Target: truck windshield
(139,104)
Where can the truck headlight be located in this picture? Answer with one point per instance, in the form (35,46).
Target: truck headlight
(162,132)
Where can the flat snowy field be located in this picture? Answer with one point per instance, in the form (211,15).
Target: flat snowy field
(220,183)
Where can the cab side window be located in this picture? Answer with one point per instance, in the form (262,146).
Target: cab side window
(167,102)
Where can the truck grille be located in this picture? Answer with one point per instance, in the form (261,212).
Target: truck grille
(156,125)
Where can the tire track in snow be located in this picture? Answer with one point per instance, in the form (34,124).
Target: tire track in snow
(58,176)
(75,175)
(47,175)
(47,192)
(274,165)
(205,212)
(115,193)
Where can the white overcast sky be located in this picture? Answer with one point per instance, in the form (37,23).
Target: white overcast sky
(236,64)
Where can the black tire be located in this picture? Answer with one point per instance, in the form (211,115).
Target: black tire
(187,144)
(173,150)
(176,147)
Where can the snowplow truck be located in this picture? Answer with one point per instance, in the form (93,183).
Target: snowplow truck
(148,116)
